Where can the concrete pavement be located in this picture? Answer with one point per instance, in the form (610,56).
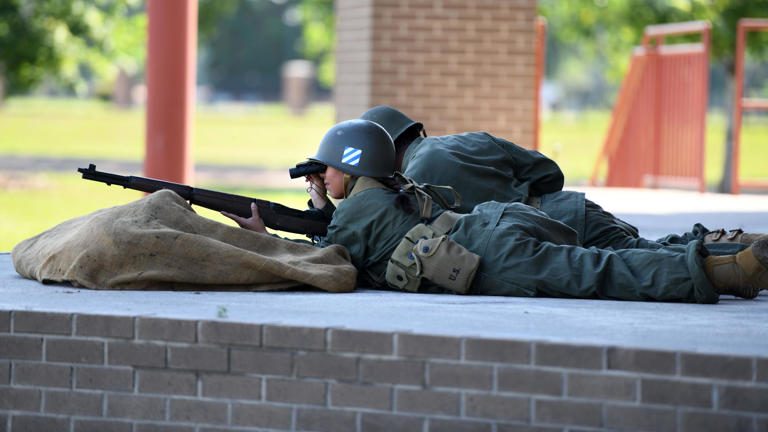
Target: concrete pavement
(734,326)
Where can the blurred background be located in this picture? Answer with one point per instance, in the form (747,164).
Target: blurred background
(72,91)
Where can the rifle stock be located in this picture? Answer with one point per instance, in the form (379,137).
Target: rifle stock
(276,216)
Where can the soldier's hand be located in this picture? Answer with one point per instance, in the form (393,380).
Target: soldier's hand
(253,223)
(316,189)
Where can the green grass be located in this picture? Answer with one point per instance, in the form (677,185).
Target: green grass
(261,136)
(574,141)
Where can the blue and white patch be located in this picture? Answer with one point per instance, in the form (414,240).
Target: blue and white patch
(351,156)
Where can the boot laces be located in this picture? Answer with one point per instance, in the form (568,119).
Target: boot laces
(729,235)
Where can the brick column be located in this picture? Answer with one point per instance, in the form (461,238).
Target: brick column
(455,65)
(352,91)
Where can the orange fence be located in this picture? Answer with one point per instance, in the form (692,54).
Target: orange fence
(541,56)
(744,104)
(657,133)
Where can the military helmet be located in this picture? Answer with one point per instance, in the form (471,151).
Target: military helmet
(391,119)
(359,148)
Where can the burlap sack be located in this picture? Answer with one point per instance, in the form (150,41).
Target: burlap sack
(160,243)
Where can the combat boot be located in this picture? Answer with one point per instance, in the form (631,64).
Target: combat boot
(733,236)
(743,274)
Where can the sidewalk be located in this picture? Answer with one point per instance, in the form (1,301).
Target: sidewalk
(657,212)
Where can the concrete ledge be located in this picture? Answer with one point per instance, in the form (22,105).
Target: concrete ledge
(76,371)
(77,360)
(732,327)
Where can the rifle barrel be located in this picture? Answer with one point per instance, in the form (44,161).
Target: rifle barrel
(275,216)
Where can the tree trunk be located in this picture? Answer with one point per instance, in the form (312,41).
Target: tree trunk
(725,181)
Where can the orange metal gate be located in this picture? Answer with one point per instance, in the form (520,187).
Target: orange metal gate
(657,134)
(744,104)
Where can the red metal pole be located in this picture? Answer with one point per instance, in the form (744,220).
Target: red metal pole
(541,43)
(171,62)
(658,77)
(705,40)
(737,99)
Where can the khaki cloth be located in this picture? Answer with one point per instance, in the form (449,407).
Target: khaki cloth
(160,243)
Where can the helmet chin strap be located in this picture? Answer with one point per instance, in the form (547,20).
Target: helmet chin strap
(347,187)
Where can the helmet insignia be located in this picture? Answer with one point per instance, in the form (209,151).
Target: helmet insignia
(351,156)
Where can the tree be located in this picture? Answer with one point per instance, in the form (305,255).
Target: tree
(68,40)
(209,15)
(319,37)
(249,46)
(243,44)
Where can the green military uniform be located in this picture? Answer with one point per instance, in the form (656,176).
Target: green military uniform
(482,168)
(525,253)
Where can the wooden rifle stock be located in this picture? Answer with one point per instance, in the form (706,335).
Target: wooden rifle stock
(276,216)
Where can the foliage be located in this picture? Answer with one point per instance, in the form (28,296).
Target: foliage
(209,13)
(587,36)
(249,47)
(69,40)
(319,37)
(80,45)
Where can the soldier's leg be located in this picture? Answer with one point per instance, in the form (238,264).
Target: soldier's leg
(696,233)
(679,273)
(523,255)
(550,270)
(604,230)
(593,225)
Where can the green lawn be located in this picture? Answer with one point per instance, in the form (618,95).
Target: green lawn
(264,135)
(575,140)
(261,136)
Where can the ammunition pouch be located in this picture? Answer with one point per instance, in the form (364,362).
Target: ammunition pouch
(427,252)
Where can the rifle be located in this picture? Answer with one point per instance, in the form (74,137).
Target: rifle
(276,216)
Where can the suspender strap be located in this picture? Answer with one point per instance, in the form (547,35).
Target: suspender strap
(425,192)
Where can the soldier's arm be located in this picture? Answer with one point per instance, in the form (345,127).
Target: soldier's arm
(544,175)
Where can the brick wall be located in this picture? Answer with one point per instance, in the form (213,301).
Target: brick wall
(74,372)
(455,65)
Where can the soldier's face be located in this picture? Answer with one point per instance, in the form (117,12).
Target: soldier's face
(333,180)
